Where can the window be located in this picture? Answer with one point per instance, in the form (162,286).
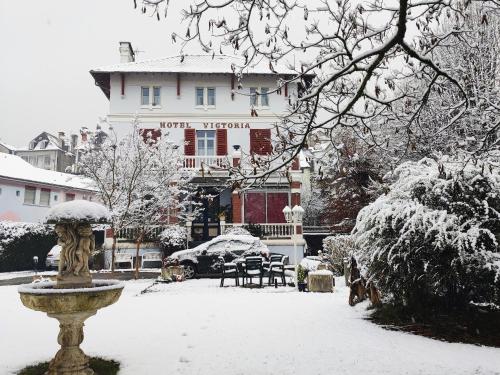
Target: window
(211,95)
(253,96)
(199,95)
(45,197)
(18,193)
(264,97)
(29,194)
(205,96)
(205,139)
(46,161)
(144,95)
(156,96)
(259,96)
(70,197)
(55,198)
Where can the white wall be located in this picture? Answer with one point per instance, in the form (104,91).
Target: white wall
(13,208)
(182,109)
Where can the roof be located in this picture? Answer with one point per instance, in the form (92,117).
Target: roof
(194,64)
(218,64)
(8,147)
(14,167)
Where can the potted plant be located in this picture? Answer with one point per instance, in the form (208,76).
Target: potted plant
(301,277)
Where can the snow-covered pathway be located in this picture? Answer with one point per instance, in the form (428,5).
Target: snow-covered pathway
(196,327)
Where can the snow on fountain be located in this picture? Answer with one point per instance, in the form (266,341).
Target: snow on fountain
(74,297)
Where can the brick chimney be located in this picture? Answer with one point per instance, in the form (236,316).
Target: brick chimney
(126,52)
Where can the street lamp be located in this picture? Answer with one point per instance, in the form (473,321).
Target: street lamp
(287,211)
(294,215)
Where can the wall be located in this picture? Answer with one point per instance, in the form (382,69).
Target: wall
(13,208)
(182,109)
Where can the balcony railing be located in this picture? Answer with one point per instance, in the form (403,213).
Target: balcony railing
(265,231)
(207,162)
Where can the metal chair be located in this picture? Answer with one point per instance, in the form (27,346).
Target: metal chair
(253,268)
(228,270)
(276,268)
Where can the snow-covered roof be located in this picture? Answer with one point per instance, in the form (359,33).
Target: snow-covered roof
(216,64)
(14,167)
(7,146)
(194,64)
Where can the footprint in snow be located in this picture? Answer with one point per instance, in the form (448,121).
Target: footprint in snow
(184,334)
(183,359)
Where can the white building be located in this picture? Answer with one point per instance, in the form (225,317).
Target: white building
(50,152)
(196,99)
(27,192)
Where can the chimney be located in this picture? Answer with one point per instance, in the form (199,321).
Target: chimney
(126,52)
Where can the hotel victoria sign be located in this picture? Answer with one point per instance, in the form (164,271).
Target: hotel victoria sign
(205,125)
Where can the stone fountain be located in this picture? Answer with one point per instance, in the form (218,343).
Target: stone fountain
(74,296)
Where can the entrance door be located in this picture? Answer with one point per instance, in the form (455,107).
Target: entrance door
(206,225)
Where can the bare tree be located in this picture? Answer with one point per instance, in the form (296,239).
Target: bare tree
(363,54)
(139,179)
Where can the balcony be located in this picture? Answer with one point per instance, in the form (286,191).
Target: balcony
(207,163)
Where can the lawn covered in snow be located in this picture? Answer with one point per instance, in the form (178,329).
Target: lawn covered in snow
(195,327)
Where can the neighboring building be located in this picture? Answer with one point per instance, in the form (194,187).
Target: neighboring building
(50,152)
(196,100)
(27,192)
(7,149)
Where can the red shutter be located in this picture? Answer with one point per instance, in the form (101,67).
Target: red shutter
(221,135)
(150,136)
(260,141)
(189,142)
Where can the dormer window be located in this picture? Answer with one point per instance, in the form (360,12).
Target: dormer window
(259,97)
(150,96)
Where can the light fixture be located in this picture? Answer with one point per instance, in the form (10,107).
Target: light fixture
(287,211)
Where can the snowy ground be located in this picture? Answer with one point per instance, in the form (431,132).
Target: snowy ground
(196,327)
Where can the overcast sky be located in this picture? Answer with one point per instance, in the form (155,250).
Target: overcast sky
(47,49)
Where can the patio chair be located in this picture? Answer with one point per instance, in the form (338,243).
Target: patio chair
(253,268)
(228,270)
(276,268)
(151,257)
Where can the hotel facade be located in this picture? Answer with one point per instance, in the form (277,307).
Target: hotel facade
(216,120)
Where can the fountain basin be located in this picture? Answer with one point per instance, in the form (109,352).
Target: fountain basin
(71,307)
(45,297)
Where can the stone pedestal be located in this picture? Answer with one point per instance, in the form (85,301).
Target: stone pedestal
(70,359)
(320,281)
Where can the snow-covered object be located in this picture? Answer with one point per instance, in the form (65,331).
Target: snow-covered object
(13,166)
(310,263)
(222,244)
(173,236)
(434,235)
(193,64)
(48,287)
(237,231)
(78,210)
(10,231)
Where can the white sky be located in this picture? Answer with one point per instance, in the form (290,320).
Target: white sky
(47,49)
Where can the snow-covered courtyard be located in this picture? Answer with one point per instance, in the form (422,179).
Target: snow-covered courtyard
(195,327)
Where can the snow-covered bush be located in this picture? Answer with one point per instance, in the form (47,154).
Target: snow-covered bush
(337,248)
(173,238)
(433,238)
(20,242)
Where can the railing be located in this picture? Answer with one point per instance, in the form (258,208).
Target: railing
(131,233)
(265,231)
(207,162)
